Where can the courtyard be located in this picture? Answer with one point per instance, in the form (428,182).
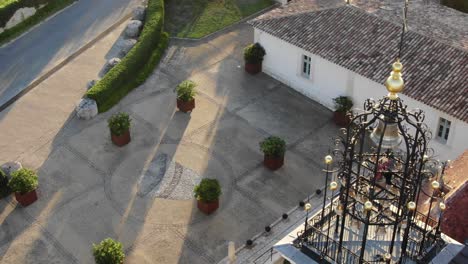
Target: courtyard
(142,194)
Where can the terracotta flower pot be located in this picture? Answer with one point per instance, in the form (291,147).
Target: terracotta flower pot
(185,106)
(341,119)
(26,198)
(121,140)
(273,163)
(208,207)
(253,68)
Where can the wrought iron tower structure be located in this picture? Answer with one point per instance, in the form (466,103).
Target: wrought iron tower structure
(374,179)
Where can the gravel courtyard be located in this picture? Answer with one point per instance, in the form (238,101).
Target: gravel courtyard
(141,194)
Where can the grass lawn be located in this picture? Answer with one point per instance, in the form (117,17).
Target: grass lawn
(6,2)
(198,18)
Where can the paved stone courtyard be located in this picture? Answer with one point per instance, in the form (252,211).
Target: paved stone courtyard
(141,194)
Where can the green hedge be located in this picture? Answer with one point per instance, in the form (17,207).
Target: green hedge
(137,65)
(7,11)
(460,5)
(52,7)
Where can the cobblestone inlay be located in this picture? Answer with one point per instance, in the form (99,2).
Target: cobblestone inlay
(163,176)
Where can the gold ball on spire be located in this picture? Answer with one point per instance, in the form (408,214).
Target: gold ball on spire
(395,83)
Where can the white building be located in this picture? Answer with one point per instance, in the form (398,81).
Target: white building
(345,50)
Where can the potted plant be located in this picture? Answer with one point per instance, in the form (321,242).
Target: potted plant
(273,149)
(186,96)
(119,125)
(23,183)
(253,56)
(207,194)
(108,251)
(342,105)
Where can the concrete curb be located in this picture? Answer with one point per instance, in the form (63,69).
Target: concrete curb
(228,28)
(40,23)
(64,62)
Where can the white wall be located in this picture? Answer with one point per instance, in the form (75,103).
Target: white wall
(328,80)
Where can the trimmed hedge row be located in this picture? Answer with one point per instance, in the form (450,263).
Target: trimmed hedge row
(460,5)
(51,8)
(137,65)
(9,10)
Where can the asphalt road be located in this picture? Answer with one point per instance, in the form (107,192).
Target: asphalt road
(30,56)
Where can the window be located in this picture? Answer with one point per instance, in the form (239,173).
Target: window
(444,129)
(306,66)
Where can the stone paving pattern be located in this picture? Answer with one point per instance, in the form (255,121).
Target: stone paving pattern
(90,189)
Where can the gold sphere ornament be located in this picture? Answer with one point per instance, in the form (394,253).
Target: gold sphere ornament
(333,185)
(328,159)
(307,206)
(435,185)
(395,83)
(368,205)
(387,256)
(411,206)
(442,206)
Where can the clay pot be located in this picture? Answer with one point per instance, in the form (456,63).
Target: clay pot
(26,198)
(341,119)
(186,106)
(253,68)
(273,163)
(121,140)
(208,207)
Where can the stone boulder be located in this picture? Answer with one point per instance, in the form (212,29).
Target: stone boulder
(10,167)
(139,13)
(19,16)
(110,64)
(125,46)
(91,83)
(86,109)
(133,29)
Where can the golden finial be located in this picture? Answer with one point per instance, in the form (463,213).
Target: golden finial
(395,83)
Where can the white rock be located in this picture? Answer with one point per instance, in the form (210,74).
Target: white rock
(19,16)
(86,109)
(10,167)
(125,46)
(110,64)
(139,13)
(90,84)
(133,29)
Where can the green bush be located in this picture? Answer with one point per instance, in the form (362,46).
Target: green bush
(137,65)
(343,104)
(3,179)
(4,190)
(254,53)
(108,251)
(186,90)
(52,7)
(119,123)
(208,190)
(23,181)
(460,5)
(273,146)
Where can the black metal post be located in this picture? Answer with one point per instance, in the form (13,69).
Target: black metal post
(425,224)
(325,191)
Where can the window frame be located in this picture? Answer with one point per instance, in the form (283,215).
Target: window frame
(306,66)
(443,130)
